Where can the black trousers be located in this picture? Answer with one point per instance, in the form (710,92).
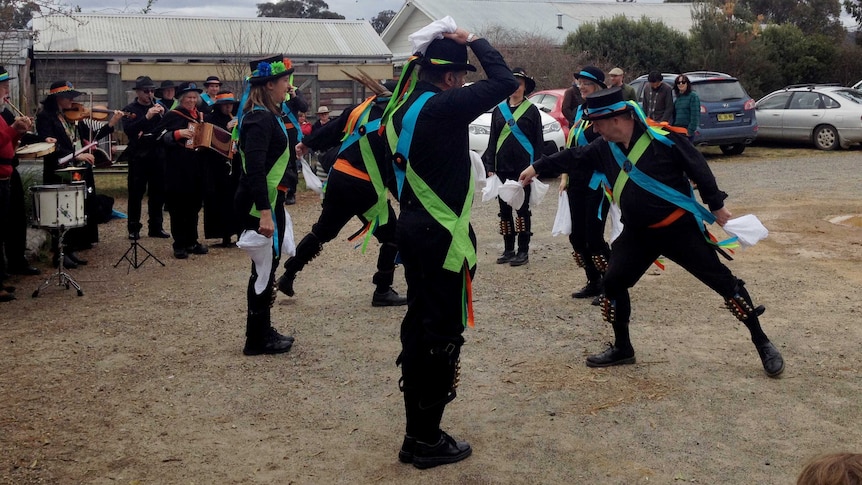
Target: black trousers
(5,198)
(184,209)
(523,212)
(146,176)
(259,305)
(348,197)
(588,230)
(14,230)
(431,332)
(220,183)
(682,242)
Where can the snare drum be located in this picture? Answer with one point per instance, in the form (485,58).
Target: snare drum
(56,206)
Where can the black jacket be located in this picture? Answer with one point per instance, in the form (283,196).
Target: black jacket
(440,149)
(49,125)
(262,141)
(672,166)
(512,157)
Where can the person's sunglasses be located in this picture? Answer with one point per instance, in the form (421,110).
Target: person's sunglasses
(681,82)
(147,90)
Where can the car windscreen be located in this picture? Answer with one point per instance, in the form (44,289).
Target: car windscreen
(851,94)
(719,91)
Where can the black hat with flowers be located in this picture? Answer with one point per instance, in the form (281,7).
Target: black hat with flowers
(269,69)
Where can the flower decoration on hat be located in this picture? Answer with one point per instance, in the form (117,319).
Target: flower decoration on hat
(266,69)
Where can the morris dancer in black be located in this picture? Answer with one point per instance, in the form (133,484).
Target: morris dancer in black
(515,143)
(588,224)
(437,244)
(647,169)
(266,144)
(356,187)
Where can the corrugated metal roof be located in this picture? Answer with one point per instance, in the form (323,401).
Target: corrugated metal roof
(531,16)
(153,35)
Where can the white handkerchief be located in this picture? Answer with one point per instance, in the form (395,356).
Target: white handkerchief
(512,193)
(435,30)
(492,188)
(748,229)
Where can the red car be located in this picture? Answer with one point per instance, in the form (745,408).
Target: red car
(551,101)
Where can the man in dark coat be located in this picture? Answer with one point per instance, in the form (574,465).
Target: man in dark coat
(428,134)
(649,171)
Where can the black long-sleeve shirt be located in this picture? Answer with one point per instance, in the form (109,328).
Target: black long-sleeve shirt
(330,135)
(262,141)
(670,165)
(512,157)
(439,151)
(139,125)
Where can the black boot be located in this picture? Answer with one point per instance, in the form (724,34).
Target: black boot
(612,356)
(771,359)
(387,297)
(520,259)
(261,338)
(508,249)
(408,446)
(446,450)
(306,250)
(593,288)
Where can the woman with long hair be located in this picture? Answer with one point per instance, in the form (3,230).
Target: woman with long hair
(686,108)
(268,134)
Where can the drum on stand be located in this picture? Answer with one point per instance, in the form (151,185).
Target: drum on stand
(59,206)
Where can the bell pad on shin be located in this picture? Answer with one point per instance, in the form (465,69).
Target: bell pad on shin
(506,227)
(609,310)
(579,259)
(742,308)
(601,262)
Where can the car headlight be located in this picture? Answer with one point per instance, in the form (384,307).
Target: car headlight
(479,130)
(551,127)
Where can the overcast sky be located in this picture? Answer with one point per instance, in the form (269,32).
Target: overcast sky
(351,9)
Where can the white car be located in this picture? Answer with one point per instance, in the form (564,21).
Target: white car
(480,131)
(826,115)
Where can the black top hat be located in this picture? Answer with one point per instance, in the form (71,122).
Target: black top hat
(529,83)
(63,89)
(184,88)
(606,103)
(448,55)
(592,73)
(212,80)
(4,74)
(225,96)
(269,69)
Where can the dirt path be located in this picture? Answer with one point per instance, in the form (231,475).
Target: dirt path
(142,379)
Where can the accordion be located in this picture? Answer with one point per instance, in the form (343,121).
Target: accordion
(208,135)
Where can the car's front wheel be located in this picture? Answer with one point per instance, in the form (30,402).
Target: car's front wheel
(826,137)
(732,149)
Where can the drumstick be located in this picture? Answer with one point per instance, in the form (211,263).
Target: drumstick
(75,154)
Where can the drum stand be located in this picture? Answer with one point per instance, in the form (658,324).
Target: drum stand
(131,255)
(63,278)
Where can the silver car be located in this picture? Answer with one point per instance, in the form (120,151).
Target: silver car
(827,115)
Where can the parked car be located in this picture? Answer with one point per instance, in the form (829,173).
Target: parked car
(551,101)
(827,115)
(480,131)
(727,115)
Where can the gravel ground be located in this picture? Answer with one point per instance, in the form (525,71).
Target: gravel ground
(142,379)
